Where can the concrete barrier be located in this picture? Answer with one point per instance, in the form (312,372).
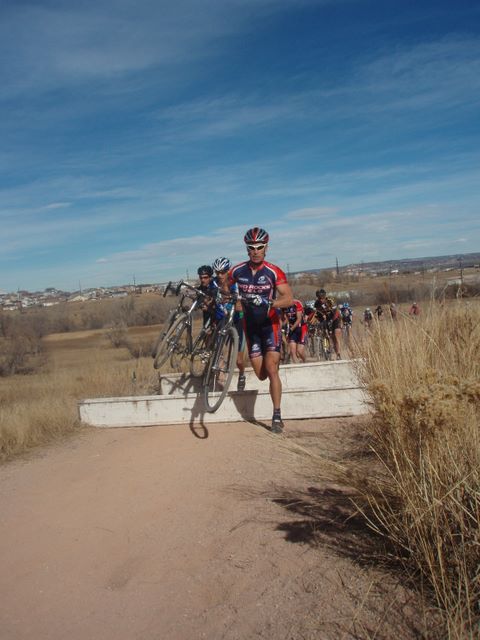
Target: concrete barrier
(311,390)
(324,375)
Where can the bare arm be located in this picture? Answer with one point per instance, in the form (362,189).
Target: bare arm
(284,296)
(298,321)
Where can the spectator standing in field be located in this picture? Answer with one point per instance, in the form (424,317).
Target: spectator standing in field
(393,310)
(367,317)
(265,291)
(379,312)
(414,310)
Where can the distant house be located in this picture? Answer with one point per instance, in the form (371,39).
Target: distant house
(78,298)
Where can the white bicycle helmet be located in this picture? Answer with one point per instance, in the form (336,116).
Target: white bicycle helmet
(221,264)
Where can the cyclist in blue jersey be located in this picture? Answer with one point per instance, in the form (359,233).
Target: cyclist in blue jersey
(347,314)
(223,290)
(265,291)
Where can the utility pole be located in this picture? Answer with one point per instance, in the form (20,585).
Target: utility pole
(288,270)
(188,276)
(460,260)
(338,270)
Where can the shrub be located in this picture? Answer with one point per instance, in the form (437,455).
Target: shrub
(423,378)
(19,354)
(139,348)
(118,335)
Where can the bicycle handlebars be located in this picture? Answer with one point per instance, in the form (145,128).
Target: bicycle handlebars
(177,290)
(201,294)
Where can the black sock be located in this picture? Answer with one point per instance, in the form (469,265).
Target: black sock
(277,413)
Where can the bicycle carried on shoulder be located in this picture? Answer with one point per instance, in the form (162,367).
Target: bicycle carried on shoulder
(176,340)
(223,357)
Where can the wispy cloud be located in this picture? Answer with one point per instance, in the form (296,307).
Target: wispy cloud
(125,123)
(429,78)
(312,213)
(56,205)
(63,43)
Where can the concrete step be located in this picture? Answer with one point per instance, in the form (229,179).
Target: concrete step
(325,375)
(312,390)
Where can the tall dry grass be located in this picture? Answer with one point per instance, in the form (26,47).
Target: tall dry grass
(42,406)
(424,495)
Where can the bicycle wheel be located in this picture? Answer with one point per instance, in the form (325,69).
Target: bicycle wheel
(284,351)
(221,365)
(166,328)
(310,344)
(346,335)
(181,347)
(326,348)
(200,354)
(168,342)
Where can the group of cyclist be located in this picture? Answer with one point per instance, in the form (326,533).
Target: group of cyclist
(378,313)
(259,290)
(264,307)
(301,320)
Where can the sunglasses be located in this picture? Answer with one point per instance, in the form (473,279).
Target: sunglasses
(205,277)
(221,273)
(256,247)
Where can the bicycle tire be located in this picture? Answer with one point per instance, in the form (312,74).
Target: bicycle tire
(225,350)
(284,351)
(326,348)
(316,346)
(161,336)
(167,342)
(200,354)
(346,335)
(310,345)
(181,347)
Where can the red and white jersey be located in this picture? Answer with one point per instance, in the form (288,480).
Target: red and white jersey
(263,282)
(292,311)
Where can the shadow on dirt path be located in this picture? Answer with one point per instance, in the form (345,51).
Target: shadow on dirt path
(124,534)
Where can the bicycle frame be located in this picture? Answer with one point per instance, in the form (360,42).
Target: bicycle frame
(176,339)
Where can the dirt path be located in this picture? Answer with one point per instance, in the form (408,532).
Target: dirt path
(155,533)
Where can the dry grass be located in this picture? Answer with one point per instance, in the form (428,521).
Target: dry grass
(423,377)
(422,496)
(42,406)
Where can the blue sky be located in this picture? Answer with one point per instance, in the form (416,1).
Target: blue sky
(141,138)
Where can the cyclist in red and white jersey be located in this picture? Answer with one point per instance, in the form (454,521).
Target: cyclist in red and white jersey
(297,330)
(264,290)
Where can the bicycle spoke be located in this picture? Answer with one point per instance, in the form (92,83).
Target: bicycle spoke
(220,368)
(181,349)
(201,355)
(167,342)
